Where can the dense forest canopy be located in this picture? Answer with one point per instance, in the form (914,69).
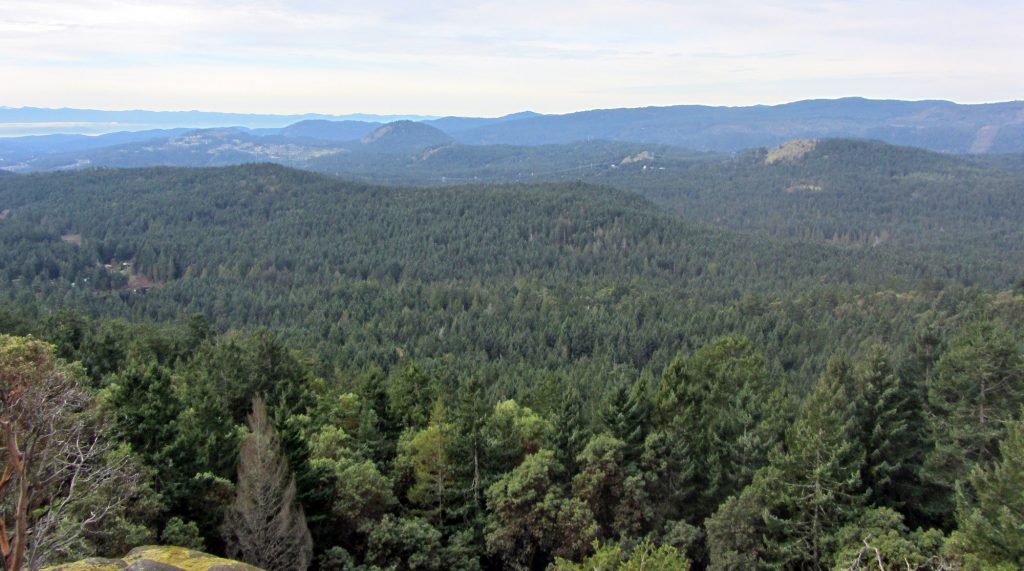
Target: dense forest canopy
(804,357)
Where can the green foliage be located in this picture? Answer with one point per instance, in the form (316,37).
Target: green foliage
(879,540)
(405,544)
(427,453)
(530,518)
(892,431)
(990,512)
(468,378)
(357,492)
(976,389)
(179,533)
(720,411)
(736,532)
(645,556)
(616,499)
(789,514)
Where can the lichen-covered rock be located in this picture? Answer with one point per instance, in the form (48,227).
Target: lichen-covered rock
(91,564)
(158,558)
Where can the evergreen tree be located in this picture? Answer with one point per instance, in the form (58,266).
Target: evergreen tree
(265,525)
(469,448)
(990,511)
(813,486)
(977,387)
(570,432)
(892,433)
(719,412)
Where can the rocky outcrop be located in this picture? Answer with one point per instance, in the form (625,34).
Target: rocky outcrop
(157,558)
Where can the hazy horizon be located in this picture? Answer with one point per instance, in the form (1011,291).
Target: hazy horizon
(413,114)
(91,121)
(491,58)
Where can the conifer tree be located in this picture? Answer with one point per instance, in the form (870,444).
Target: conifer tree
(428,451)
(990,514)
(570,433)
(718,414)
(813,487)
(977,387)
(892,434)
(625,416)
(265,525)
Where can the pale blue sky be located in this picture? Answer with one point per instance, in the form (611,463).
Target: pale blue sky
(489,58)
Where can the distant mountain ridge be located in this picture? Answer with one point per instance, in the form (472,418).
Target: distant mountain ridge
(931,124)
(325,130)
(942,126)
(936,125)
(41,121)
(405,137)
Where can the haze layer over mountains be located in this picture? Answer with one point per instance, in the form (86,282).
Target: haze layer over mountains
(202,139)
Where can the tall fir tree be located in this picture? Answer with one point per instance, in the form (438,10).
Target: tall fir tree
(718,414)
(266,525)
(990,512)
(813,485)
(892,432)
(976,388)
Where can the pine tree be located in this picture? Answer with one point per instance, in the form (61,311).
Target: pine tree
(813,487)
(990,514)
(718,414)
(570,433)
(892,434)
(469,447)
(978,386)
(265,526)
(625,417)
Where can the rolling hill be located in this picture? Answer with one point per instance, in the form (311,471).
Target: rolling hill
(324,130)
(859,193)
(942,126)
(936,125)
(486,271)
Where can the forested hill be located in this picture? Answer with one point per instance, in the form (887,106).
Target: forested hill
(498,376)
(263,245)
(937,125)
(404,137)
(842,191)
(295,225)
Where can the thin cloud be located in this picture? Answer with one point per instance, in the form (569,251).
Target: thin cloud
(460,57)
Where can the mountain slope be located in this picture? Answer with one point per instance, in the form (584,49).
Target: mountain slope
(16,151)
(175,222)
(936,125)
(200,148)
(456,163)
(404,137)
(502,275)
(848,191)
(340,131)
(452,125)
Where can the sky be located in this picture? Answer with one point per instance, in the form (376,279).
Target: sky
(488,58)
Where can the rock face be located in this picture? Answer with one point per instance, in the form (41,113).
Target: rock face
(790,151)
(157,558)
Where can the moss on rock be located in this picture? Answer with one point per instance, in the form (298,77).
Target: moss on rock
(158,558)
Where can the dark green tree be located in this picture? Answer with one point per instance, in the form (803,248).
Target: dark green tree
(977,387)
(990,510)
